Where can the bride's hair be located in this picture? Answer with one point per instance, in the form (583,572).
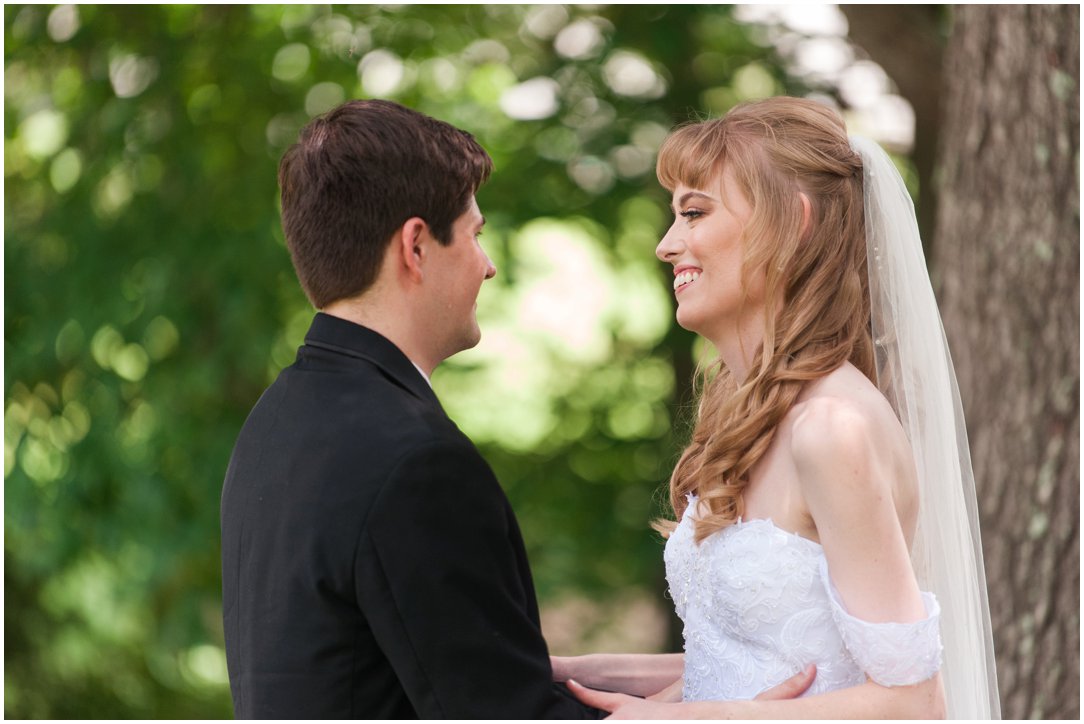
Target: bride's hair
(816,286)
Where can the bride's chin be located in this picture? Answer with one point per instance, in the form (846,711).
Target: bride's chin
(687,321)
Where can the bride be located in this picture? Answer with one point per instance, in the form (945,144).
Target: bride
(825,512)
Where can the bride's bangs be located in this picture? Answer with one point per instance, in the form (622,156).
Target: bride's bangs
(692,156)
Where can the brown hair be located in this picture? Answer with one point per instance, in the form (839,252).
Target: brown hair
(816,285)
(356,174)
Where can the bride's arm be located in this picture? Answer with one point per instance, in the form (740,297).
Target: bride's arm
(851,468)
(852,465)
(637,674)
(672,693)
(865,701)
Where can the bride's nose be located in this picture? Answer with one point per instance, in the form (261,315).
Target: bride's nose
(669,247)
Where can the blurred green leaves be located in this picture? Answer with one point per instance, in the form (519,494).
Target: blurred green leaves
(149,296)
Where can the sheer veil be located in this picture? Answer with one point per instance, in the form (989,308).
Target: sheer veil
(915,373)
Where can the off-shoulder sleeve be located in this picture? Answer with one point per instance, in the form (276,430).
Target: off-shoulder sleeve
(891,654)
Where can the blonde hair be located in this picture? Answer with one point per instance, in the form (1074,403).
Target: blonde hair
(816,286)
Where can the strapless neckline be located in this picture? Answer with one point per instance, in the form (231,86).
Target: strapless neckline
(693,499)
(753,522)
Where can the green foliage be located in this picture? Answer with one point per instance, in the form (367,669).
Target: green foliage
(149,297)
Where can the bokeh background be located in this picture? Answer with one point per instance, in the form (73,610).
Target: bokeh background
(149,297)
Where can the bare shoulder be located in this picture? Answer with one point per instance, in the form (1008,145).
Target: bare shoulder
(843,430)
(830,432)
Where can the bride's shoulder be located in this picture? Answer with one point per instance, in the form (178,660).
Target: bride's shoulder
(842,426)
(827,430)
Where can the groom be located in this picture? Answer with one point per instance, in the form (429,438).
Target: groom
(371,564)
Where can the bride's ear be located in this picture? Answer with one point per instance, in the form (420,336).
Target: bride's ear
(807,215)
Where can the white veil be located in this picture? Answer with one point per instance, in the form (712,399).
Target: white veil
(915,373)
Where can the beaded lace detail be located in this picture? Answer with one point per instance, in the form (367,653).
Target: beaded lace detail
(758,606)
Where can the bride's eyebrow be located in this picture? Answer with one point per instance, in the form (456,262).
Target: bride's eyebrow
(685,197)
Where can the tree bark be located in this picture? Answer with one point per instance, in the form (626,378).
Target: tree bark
(1007,254)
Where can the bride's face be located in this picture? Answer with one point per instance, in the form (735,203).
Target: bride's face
(704,246)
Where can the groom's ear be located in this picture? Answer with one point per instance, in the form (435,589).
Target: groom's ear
(411,248)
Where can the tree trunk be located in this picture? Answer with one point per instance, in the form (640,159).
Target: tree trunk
(1007,254)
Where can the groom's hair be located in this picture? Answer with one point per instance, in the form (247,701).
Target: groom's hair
(355,175)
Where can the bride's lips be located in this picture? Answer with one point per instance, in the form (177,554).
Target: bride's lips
(684,275)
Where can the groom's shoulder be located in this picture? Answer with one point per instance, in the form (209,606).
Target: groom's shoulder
(361,418)
(362,391)
(377,415)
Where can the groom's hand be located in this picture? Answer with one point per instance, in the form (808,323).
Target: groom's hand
(792,687)
(623,706)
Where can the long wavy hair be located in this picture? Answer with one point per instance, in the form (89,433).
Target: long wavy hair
(816,287)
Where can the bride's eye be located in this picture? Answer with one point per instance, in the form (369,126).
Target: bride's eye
(691,214)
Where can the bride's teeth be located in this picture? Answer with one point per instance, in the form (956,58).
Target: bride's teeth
(684,278)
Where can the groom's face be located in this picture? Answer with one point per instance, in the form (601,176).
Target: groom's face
(458,273)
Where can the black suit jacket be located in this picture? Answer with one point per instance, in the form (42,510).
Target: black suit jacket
(371,564)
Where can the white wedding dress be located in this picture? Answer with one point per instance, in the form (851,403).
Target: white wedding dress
(758,606)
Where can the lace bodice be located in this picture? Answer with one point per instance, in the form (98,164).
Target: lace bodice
(758,606)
